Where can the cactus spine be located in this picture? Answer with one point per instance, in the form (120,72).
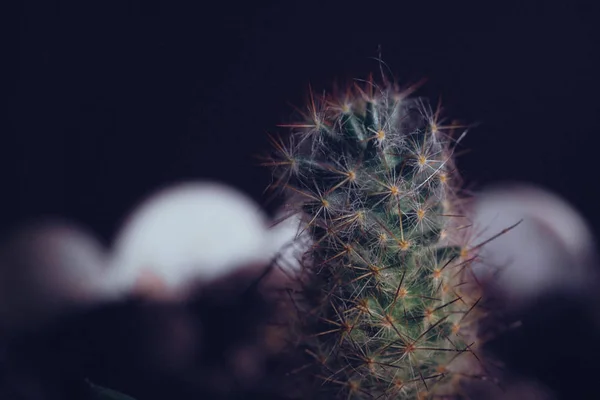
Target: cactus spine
(387,306)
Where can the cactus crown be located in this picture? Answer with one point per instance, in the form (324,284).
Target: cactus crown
(387,308)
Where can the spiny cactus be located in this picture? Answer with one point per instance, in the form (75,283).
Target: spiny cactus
(388,304)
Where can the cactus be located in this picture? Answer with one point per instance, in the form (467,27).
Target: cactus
(386,304)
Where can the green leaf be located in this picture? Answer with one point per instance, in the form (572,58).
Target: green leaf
(102,393)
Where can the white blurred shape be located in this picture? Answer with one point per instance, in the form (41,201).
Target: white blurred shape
(289,241)
(183,235)
(551,248)
(190,232)
(46,268)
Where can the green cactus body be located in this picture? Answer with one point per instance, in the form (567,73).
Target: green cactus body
(387,308)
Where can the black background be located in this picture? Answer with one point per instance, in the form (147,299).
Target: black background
(112,102)
(115,101)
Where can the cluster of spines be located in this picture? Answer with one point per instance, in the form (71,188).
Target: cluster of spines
(388,308)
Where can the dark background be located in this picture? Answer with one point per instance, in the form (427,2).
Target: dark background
(111,103)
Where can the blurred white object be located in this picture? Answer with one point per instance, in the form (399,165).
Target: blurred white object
(182,235)
(290,241)
(204,231)
(188,232)
(46,266)
(552,248)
